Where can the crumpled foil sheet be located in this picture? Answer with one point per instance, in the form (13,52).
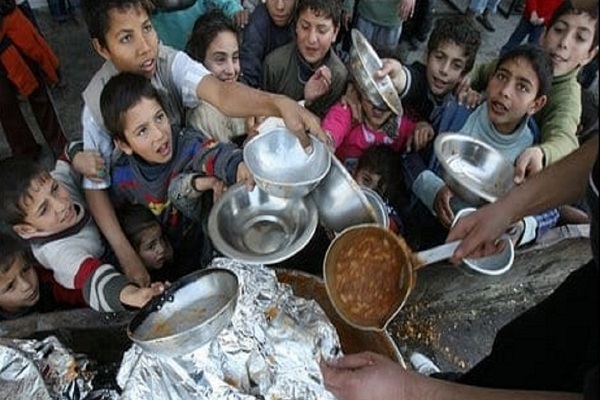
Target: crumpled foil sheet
(270,350)
(33,369)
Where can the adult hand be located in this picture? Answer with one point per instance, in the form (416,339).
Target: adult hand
(364,376)
(422,134)
(442,206)
(406,9)
(90,164)
(137,297)
(318,84)
(241,18)
(300,121)
(529,162)
(393,69)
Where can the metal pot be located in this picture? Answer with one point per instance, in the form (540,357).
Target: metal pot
(187,315)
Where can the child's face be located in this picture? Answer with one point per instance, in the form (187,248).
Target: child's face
(367,178)
(512,94)
(569,42)
(445,68)
(314,35)
(154,249)
(375,117)
(19,287)
(131,41)
(223,57)
(148,132)
(280,11)
(48,209)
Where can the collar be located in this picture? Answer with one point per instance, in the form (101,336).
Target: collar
(41,240)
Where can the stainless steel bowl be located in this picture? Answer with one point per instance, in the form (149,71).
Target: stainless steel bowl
(255,227)
(364,62)
(281,166)
(379,206)
(190,313)
(340,201)
(473,169)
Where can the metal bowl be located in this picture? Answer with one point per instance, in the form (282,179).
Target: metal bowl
(364,62)
(190,313)
(379,206)
(340,201)
(474,170)
(257,228)
(281,166)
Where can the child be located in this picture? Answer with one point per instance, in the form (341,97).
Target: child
(571,39)
(122,33)
(25,287)
(214,43)
(270,26)
(146,236)
(153,156)
(47,210)
(308,69)
(515,92)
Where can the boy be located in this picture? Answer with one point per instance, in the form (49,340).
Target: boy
(48,211)
(153,156)
(571,39)
(307,68)
(515,92)
(122,33)
(24,287)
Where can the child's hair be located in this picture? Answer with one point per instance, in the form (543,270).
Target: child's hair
(457,29)
(11,247)
(134,219)
(95,14)
(206,28)
(120,93)
(567,8)
(322,8)
(538,58)
(16,176)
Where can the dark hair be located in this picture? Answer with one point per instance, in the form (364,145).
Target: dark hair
(95,14)
(322,8)
(457,29)
(206,28)
(120,93)
(384,161)
(11,247)
(538,58)
(134,219)
(16,176)
(567,7)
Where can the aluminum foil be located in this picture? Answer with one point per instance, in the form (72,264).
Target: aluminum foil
(270,350)
(33,369)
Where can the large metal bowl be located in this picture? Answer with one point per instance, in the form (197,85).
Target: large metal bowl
(379,206)
(340,200)
(474,170)
(190,313)
(257,228)
(364,62)
(281,166)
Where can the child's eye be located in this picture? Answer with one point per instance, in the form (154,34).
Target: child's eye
(147,28)
(160,117)
(125,39)
(522,88)
(142,132)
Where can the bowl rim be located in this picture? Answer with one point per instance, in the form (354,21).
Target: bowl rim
(229,251)
(444,137)
(394,104)
(315,143)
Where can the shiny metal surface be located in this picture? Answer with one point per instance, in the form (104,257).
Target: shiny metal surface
(256,227)
(364,62)
(190,313)
(340,201)
(281,166)
(472,169)
(379,206)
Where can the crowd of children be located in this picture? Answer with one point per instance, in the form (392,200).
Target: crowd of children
(123,212)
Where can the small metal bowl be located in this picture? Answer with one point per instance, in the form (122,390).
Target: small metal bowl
(378,205)
(257,228)
(189,314)
(364,62)
(281,166)
(474,170)
(340,201)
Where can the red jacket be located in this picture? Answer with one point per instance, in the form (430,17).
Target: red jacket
(543,8)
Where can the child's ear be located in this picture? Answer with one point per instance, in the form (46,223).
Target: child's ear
(124,147)
(538,104)
(25,231)
(103,51)
(591,55)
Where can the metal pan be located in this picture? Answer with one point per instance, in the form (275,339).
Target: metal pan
(187,315)
(369,273)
